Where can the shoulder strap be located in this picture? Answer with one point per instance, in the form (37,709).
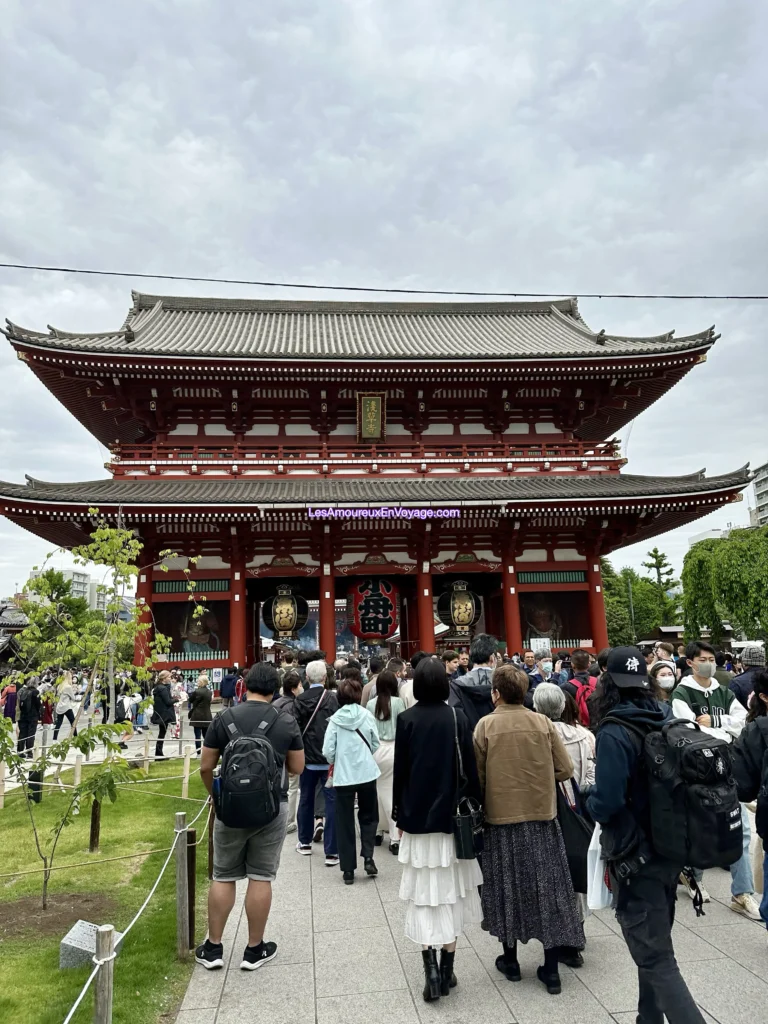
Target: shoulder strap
(459,759)
(233,731)
(312,717)
(631,727)
(365,741)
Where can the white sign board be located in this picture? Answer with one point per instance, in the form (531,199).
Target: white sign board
(539,643)
(218,675)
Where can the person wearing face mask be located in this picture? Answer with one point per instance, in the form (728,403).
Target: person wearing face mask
(700,698)
(472,692)
(664,675)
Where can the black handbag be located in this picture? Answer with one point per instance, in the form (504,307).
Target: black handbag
(577,834)
(468,817)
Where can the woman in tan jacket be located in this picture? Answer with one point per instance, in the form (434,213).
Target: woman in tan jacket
(527,890)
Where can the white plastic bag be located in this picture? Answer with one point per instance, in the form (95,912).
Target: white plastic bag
(598,894)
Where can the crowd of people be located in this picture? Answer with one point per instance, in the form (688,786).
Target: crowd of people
(403,746)
(413,751)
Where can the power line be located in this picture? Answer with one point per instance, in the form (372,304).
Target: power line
(385,291)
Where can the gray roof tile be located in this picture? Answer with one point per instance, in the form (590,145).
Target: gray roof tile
(384,490)
(267,329)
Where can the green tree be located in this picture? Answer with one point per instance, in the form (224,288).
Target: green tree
(727,579)
(631,604)
(663,576)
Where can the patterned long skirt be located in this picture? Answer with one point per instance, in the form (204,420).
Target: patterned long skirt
(527,890)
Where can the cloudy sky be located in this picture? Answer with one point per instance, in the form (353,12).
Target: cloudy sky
(558,145)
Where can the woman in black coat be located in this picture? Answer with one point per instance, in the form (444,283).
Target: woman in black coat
(750,768)
(441,891)
(164,713)
(200,709)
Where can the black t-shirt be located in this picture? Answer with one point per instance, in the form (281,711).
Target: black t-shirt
(284,735)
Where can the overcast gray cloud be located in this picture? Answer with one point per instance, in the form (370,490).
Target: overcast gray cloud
(601,145)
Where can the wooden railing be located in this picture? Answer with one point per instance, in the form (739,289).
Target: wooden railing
(239,458)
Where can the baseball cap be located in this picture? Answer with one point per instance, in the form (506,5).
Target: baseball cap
(626,667)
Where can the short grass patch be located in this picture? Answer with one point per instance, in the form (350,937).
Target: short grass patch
(149,981)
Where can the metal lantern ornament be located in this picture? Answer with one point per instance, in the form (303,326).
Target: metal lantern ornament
(285,613)
(373,608)
(459,609)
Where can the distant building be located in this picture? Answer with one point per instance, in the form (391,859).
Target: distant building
(81,585)
(761,494)
(708,535)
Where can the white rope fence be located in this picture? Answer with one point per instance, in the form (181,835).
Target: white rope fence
(105,936)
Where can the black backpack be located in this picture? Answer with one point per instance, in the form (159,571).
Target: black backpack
(694,803)
(250,784)
(26,702)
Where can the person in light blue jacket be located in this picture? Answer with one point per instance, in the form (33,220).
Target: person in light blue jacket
(350,740)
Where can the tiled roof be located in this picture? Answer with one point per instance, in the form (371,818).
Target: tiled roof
(257,328)
(382,490)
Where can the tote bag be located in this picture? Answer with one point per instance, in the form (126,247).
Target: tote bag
(577,835)
(598,894)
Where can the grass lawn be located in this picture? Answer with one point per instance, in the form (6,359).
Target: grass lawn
(148,981)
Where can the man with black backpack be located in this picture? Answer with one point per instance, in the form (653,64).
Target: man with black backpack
(699,698)
(647,831)
(259,746)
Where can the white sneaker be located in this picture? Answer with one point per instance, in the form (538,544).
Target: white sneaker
(293,827)
(305,851)
(746,905)
(331,861)
(690,891)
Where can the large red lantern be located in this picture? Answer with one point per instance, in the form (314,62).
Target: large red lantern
(373,608)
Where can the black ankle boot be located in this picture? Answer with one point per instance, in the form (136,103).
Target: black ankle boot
(431,975)
(448,979)
(550,979)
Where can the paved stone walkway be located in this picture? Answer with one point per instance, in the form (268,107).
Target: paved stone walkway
(343,959)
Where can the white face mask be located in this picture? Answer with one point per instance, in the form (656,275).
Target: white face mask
(705,669)
(546,666)
(666,682)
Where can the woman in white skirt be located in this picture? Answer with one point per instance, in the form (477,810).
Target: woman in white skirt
(440,891)
(385,707)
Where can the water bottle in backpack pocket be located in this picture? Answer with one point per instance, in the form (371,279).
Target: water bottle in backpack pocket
(250,782)
(694,803)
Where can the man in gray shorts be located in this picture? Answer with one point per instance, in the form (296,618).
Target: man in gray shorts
(252,853)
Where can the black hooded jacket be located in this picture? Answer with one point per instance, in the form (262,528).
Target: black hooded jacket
(314,725)
(474,700)
(750,769)
(619,799)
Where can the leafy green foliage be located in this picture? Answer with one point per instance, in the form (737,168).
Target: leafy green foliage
(634,599)
(663,576)
(727,579)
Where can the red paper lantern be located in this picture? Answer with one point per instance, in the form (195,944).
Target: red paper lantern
(373,608)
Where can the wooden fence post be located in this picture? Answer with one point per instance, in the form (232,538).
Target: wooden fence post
(185,779)
(45,741)
(146,753)
(76,781)
(2,784)
(182,888)
(181,731)
(93,846)
(102,1003)
(191,881)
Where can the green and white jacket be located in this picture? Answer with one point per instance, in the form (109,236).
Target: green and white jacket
(689,700)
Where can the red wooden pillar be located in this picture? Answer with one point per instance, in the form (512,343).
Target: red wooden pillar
(596,604)
(425,607)
(412,616)
(326,613)
(143,594)
(511,601)
(237,612)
